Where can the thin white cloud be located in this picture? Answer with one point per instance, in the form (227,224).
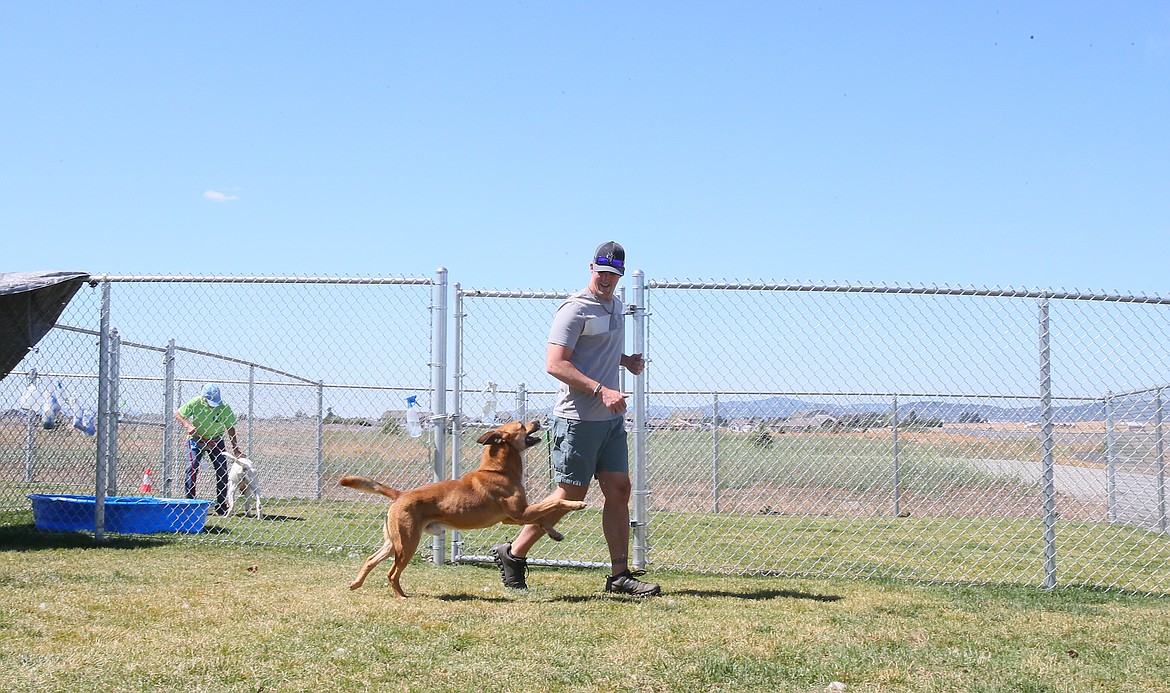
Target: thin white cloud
(1157,46)
(217,196)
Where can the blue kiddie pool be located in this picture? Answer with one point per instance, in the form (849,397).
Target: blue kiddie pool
(123,514)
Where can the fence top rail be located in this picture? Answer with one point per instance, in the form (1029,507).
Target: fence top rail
(95,333)
(934,290)
(198,352)
(242,362)
(491,293)
(176,279)
(1005,292)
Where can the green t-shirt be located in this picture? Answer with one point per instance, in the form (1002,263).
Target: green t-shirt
(209,422)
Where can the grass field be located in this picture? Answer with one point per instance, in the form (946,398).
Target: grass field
(151,614)
(815,504)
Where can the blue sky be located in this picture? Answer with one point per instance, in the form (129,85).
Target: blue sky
(989,143)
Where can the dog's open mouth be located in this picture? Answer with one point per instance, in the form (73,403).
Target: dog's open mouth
(530,440)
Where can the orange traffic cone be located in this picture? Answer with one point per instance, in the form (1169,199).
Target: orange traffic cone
(146,486)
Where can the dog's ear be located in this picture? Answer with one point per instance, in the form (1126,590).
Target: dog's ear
(491,438)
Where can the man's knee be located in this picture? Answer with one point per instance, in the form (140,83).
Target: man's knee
(614,486)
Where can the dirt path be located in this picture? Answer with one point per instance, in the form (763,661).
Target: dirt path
(1135,494)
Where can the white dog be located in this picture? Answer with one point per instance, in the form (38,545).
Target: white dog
(243,482)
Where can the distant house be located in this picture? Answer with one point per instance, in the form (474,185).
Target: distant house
(806,422)
(687,419)
(679,420)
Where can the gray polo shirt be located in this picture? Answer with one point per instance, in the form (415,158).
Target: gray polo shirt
(595,331)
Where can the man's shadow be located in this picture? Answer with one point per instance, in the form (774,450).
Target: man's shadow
(762,595)
(754,596)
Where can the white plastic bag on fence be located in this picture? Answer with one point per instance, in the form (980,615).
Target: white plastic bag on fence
(33,398)
(83,421)
(49,414)
(489,407)
(43,402)
(47,401)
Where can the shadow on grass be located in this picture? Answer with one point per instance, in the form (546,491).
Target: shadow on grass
(265,518)
(761,595)
(471,598)
(756,596)
(29,538)
(751,596)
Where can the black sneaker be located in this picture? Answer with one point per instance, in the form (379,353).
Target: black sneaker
(512,569)
(626,582)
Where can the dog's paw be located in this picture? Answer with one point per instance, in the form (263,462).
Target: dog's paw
(578,505)
(554,535)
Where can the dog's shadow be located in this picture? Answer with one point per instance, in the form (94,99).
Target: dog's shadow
(279,518)
(266,517)
(239,523)
(472,598)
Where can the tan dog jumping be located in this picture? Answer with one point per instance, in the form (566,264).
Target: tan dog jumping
(493,493)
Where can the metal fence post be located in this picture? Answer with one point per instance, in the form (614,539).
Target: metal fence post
(115,410)
(639,491)
(897,461)
(168,416)
(439,391)
(184,450)
(621,295)
(715,452)
(30,438)
(320,438)
(1110,459)
(1047,461)
(251,405)
(457,412)
(1160,456)
(521,402)
(103,416)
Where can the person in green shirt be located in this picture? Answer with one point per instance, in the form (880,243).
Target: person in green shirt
(206,418)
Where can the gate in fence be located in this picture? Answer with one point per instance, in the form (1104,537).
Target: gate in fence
(925,434)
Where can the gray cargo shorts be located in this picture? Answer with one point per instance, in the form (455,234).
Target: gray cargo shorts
(581,449)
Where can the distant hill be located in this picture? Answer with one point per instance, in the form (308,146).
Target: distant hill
(1139,410)
(946,411)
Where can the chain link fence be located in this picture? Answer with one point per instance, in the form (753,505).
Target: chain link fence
(941,435)
(316,372)
(921,434)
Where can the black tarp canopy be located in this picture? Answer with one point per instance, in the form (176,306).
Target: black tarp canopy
(30,303)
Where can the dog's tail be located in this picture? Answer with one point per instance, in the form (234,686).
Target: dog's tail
(361,483)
